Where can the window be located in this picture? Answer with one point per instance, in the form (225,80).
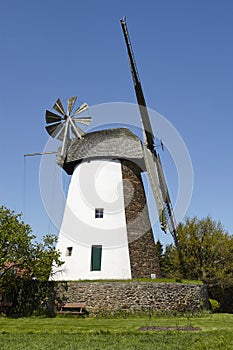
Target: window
(99,213)
(96,254)
(69,251)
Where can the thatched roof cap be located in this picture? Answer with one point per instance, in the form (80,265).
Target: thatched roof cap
(118,143)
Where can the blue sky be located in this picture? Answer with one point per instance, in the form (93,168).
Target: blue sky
(184,54)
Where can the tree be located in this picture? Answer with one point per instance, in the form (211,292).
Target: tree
(207,251)
(207,255)
(159,254)
(22,260)
(171,262)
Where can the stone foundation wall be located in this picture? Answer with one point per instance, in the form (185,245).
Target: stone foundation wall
(137,296)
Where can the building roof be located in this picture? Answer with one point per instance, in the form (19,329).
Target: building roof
(119,143)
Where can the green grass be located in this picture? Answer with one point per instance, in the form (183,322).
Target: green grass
(68,333)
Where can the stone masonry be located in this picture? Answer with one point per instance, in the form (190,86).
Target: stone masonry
(143,259)
(138,296)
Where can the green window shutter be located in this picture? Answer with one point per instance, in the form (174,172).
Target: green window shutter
(96,254)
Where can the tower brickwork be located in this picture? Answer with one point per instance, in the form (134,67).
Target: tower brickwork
(143,258)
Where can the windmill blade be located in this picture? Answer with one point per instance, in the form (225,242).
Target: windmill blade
(71,102)
(85,121)
(77,131)
(54,129)
(152,161)
(80,109)
(155,186)
(157,181)
(52,117)
(162,180)
(61,135)
(58,106)
(64,136)
(170,217)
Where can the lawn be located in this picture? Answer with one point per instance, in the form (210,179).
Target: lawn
(67,333)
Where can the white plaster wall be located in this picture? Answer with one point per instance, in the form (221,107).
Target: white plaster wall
(94,184)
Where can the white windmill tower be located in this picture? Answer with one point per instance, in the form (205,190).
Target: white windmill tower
(106,231)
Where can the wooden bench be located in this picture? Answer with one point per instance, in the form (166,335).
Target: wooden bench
(5,306)
(73,309)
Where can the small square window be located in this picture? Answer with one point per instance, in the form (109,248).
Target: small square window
(69,251)
(99,213)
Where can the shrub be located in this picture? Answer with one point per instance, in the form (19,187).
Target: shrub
(215,305)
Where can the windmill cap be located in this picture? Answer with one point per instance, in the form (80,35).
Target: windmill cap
(119,143)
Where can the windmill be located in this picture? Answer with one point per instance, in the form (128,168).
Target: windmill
(104,235)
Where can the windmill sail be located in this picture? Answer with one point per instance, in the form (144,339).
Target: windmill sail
(151,158)
(63,127)
(154,181)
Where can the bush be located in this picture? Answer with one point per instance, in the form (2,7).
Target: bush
(215,305)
